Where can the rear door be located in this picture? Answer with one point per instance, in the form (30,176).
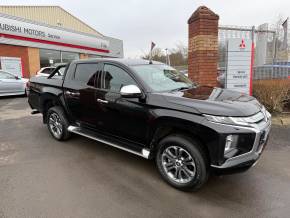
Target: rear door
(79,93)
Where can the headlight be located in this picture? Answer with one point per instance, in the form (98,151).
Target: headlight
(267,114)
(227,120)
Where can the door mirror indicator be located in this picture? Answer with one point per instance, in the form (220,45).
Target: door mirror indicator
(131,91)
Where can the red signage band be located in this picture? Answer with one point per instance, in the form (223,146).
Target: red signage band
(252,66)
(9,36)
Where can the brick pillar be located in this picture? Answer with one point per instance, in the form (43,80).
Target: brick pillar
(203,46)
(33,61)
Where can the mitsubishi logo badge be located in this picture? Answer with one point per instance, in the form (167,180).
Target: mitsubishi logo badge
(243,45)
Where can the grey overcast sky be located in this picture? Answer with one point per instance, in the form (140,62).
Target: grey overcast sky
(138,22)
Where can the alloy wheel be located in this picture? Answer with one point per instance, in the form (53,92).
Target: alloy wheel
(55,125)
(178,164)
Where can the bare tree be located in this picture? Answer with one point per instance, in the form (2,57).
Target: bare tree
(280,49)
(278,28)
(177,55)
(157,55)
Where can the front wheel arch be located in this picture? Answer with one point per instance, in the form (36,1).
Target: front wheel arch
(164,129)
(198,156)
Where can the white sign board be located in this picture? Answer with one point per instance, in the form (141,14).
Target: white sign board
(239,65)
(12,65)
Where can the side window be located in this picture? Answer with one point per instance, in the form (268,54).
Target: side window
(61,71)
(4,75)
(115,78)
(86,73)
(47,70)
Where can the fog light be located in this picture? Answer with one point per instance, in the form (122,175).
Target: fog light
(231,143)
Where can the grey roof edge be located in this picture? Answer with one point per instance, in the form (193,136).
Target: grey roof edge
(54,6)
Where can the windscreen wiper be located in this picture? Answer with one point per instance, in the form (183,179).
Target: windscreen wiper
(184,88)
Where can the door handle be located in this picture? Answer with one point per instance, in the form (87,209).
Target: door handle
(73,94)
(102,101)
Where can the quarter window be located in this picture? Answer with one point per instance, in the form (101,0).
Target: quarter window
(86,73)
(115,78)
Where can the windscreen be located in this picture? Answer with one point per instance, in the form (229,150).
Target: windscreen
(162,77)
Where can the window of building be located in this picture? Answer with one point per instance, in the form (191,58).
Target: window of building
(49,57)
(94,56)
(115,78)
(69,56)
(86,73)
(52,57)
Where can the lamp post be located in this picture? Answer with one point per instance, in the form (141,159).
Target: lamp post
(167,57)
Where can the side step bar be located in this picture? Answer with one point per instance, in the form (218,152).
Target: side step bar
(145,153)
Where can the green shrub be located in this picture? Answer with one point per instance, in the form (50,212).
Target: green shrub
(273,94)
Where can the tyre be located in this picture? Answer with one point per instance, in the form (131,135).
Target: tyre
(182,162)
(57,123)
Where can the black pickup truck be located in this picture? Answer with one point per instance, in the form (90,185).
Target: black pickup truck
(151,110)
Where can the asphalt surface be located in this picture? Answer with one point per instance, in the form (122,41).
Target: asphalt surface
(40,177)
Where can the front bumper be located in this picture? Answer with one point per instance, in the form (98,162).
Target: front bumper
(246,160)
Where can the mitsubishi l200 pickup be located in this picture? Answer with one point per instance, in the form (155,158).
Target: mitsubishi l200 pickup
(151,110)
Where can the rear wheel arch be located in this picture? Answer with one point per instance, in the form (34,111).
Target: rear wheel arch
(48,101)
(58,123)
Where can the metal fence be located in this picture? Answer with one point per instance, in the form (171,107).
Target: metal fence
(271,54)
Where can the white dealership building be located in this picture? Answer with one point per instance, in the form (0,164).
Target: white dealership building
(32,37)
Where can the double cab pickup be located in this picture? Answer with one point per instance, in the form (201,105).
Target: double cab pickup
(151,110)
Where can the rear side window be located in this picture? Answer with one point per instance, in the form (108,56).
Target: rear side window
(86,73)
(115,78)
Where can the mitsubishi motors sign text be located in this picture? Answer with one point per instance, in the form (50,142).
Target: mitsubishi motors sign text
(18,29)
(23,32)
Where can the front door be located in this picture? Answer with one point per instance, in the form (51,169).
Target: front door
(79,94)
(122,117)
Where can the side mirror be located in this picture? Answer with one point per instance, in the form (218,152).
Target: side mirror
(16,77)
(131,91)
